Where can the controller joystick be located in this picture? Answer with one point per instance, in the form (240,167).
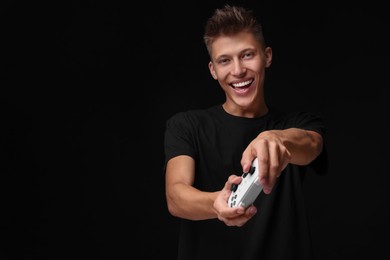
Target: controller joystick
(246,192)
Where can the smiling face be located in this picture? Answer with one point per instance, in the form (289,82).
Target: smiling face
(238,62)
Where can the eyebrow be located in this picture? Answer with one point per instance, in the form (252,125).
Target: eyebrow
(241,52)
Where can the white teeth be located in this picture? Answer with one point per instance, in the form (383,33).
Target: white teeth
(242,84)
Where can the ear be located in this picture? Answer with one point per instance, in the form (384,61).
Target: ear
(212,70)
(268,57)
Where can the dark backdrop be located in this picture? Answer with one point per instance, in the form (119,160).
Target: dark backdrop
(86,88)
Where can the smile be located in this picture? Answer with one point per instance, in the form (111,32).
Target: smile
(242,84)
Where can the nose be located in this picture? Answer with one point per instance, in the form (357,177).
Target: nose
(238,68)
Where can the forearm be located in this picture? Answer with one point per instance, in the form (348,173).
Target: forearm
(187,202)
(303,145)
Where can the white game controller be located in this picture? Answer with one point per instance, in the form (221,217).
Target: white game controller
(246,192)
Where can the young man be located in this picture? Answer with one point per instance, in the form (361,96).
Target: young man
(208,150)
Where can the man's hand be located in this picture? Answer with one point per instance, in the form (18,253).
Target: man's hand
(273,157)
(232,216)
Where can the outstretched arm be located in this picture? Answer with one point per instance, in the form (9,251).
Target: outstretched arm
(185,201)
(275,149)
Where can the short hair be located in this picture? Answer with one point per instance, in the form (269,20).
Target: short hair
(230,20)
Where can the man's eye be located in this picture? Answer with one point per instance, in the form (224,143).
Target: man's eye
(248,55)
(223,61)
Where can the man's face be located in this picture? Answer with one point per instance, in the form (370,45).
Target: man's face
(238,63)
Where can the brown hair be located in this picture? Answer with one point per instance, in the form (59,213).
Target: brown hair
(230,20)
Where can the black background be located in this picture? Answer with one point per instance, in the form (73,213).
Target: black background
(86,88)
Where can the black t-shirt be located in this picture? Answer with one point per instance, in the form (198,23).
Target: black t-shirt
(216,140)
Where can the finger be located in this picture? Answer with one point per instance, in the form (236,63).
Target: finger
(233,179)
(263,164)
(276,163)
(231,213)
(248,156)
(250,211)
(240,220)
(286,160)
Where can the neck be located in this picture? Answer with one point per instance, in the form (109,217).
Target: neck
(252,112)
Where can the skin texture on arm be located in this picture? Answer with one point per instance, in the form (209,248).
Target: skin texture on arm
(238,60)
(275,149)
(185,201)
